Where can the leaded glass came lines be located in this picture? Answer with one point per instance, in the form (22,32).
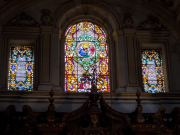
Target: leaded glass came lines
(21,62)
(152,71)
(86,58)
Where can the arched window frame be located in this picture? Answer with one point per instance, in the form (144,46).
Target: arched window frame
(110,44)
(107,57)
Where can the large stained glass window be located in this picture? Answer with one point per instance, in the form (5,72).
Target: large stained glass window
(86,58)
(21,63)
(152,71)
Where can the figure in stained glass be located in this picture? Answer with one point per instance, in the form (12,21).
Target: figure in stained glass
(152,71)
(86,58)
(21,68)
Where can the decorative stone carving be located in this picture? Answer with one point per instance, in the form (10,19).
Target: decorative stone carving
(128,20)
(23,20)
(46,18)
(168,3)
(150,24)
(85,6)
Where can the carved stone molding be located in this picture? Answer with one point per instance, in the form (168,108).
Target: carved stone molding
(23,20)
(16,5)
(150,24)
(128,20)
(46,18)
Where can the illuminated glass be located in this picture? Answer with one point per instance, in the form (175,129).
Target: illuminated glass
(86,58)
(21,62)
(152,71)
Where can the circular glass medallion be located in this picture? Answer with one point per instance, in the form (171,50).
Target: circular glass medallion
(85,50)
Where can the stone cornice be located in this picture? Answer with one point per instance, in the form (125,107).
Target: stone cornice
(152,32)
(79,98)
(157,9)
(70,94)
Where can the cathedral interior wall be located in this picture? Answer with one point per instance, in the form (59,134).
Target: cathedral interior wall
(130,27)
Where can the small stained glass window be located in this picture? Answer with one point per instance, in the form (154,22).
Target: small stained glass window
(21,62)
(86,58)
(152,71)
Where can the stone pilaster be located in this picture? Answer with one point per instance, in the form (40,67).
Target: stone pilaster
(1,57)
(120,61)
(62,61)
(45,74)
(132,71)
(55,60)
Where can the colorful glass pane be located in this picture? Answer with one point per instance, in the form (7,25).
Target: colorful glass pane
(21,62)
(152,71)
(86,58)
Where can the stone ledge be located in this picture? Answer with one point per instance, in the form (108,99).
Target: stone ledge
(71,94)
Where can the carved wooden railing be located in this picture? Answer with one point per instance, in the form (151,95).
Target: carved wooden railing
(90,118)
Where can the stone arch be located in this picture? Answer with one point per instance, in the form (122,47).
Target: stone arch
(62,44)
(64,17)
(89,18)
(110,18)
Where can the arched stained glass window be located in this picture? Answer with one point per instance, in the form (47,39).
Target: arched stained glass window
(21,62)
(152,71)
(86,58)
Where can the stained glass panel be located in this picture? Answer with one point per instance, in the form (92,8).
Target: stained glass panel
(21,62)
(152,71)
(86,58)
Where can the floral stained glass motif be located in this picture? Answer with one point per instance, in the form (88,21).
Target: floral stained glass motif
(152,71)
(21,62)
(86,58)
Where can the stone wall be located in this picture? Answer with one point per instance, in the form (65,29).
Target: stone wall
(130,26)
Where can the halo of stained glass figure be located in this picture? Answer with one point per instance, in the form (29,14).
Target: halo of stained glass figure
(86,58)
(152,71)
(21,64)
